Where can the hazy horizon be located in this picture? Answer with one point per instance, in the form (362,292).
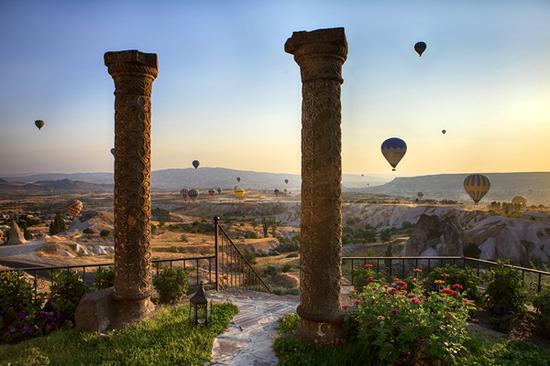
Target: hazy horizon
(228,95)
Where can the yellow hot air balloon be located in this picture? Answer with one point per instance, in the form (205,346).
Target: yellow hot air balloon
(477,186)
(519,201)
(74,208)
(239,193)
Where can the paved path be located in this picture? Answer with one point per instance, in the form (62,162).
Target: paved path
(248,340)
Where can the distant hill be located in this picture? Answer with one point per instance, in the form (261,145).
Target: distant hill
(62,186)
(534,186)
(175,179)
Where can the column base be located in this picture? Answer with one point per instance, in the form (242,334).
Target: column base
(100,311)
(326,333)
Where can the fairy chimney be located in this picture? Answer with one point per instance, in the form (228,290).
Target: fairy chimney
(15,234)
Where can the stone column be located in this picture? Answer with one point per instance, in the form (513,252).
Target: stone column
(320,55)
(133,73)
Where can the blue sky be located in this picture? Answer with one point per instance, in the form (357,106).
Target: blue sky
(228,95)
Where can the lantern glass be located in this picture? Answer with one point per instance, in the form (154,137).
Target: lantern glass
(199,313)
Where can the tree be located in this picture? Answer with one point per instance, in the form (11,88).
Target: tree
(57,225)
(265,227)
(385,235)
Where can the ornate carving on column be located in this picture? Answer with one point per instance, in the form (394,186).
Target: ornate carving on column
(129,300)
(133,73)
(320,55)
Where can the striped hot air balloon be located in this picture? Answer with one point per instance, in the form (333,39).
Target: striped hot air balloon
(74,208)
(477,186)
(184,193)
(193,194)
(211,192)
(393,150)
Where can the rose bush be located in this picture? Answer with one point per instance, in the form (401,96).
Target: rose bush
(402,326)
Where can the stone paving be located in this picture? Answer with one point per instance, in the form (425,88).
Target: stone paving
(248,341)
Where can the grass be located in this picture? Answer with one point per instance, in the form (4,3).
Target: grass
(481,351)
(166,339)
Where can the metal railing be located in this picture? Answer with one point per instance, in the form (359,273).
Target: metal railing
(403,266)
(226,268)
(199,268)
(233,269)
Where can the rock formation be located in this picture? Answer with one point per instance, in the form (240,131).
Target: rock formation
(15,235)
(435,236)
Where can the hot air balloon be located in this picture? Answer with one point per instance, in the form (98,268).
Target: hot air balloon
(196,163)
(276,191)
(519,201)
(184,193)
(286,181)
(211,192)
(420,47)
(477,186)
(362,175)
(443,131)
(193,194)
(420,195)
(39,123)
(219,190)
(238,179)
(239,193)
(393,150)
(74,208)
(113,151)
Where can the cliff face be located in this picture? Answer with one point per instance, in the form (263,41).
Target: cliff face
(15,235)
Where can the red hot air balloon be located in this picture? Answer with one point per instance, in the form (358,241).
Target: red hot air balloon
(74,208)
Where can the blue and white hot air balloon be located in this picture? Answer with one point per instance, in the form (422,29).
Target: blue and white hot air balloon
(393,150)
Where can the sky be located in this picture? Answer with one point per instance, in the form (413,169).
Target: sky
(228,95)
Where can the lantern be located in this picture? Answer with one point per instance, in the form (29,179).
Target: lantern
(198,308)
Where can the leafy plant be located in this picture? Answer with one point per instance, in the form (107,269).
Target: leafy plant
(542,318)
(452,274)
(363,276)
(505,294)
(396,325)
(171,284)
(104,277)
(66,290)
(104,233)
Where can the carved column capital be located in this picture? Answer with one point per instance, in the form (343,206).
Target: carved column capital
(319,53)
(133,71)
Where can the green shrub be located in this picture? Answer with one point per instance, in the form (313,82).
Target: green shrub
(17,307)
(292,255)
(250,256)
(171,285)
(104,233)
(363,276)
(104,277)
(505,294)
(66,290)
(472,251)
(542,318)
(287,267)
(57,225)
(271,270)
(452,274)
(396,325)
(88,231)
(385,235)
(250,235)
